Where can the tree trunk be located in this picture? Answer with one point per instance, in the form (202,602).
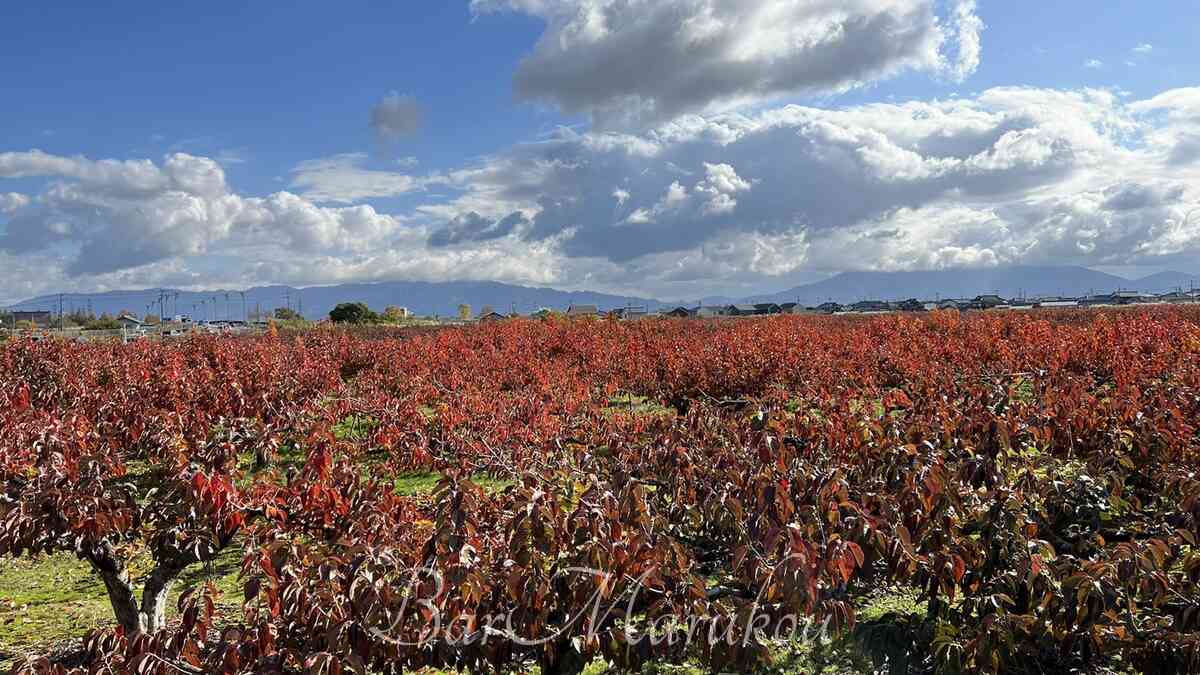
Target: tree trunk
(151,614)
(121,596)
(123,600)
(154,597)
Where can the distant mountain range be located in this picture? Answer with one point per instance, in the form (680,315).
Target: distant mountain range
(421,298)
(427,299)
(1008,282)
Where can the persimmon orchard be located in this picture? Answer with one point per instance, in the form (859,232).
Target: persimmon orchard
(672,491)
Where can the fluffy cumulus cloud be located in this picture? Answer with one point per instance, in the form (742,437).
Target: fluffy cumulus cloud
(701,203)
(396,116)
(342,179)
(104,216)
(11,201)
(638,60)
(1178,134)
(1013,175)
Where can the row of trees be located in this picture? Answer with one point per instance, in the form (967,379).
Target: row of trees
(1031,479)
(76,319)
(359,314)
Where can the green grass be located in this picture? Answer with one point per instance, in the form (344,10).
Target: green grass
(50,599)
(424,482)
(632,404)
(354,428)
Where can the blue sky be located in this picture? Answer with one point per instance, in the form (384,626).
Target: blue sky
(674,147)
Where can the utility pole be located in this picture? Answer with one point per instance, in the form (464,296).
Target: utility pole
(287,297)
(62,322)
(245,318)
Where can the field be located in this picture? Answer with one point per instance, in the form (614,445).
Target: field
(939,493)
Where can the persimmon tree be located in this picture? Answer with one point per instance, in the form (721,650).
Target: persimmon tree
(1029,479)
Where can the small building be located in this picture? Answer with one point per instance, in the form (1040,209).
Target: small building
(766,308)
(1053,301)
(628,313)
(129,321)
(829,308)
(37,317)
(491,317)
(1100,299)
(741,310)
(987,301)
(910,305)
(1128,297)
(870,306)
(791,308)
(1175,297)
(583,310)
(680,313)
(954,303)
(710,312)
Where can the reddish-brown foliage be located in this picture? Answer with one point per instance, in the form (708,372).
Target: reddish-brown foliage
(1033,476)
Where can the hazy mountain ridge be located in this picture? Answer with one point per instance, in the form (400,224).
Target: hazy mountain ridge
(422,298)
(1008,282)
(443,298)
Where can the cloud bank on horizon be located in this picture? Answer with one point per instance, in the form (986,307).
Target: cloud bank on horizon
(693,173)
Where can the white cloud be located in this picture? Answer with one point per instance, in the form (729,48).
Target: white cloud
(1143,48)
(10,202)
(1094,64)
(637,60)
(1011,175)
(970,40)
(699,204)
(109,215)
(342,179)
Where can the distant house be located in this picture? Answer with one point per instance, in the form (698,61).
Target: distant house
(764,308)
(129,321)
(1176,296)
(829,307)
(680,313)
(987,302)
(628,313)
(741,310)
(710,312)
(1102,299)
(910,305)
(869,306)
(1053,301)
(791,308)
(583,310)
(491,317)
(38,317)
(952,303)
(1132,297)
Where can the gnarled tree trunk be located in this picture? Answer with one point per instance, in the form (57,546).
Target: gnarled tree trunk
(150,614)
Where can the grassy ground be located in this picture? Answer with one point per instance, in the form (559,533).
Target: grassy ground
(49,600)
(632,404)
